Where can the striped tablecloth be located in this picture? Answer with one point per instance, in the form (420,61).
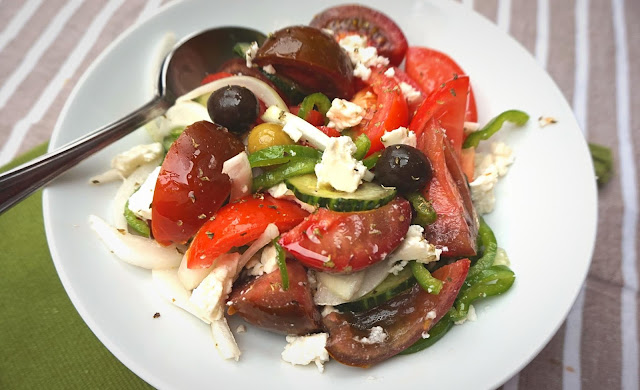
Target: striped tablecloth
(590,47)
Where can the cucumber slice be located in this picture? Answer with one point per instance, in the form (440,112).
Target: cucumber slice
(368,196)
(391,286)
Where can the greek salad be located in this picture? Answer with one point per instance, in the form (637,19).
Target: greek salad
(316,188)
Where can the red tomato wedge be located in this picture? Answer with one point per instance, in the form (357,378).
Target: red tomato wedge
(404,318)
(339,242)
(455,228)
(215,76)
(314,117)
(240,223)
(446,104)
(401,77)
(290,311)
(387,113)
(430,68)
(191,186)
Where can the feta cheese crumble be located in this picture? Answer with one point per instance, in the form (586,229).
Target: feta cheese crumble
(489,167)
(377,335)
(269,69)
(125,163)
(413,247)
(280,191)
(502,258)
(344,114)
(471,316)
(303,350)
(338,168)
(250,54)
(401,135)
(140,201)
(361,55)
(410,94)
(267,263)
(391,72)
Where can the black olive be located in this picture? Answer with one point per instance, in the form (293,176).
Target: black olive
(233,107)
(403,167)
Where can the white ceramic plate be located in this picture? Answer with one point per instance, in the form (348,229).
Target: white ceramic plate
(545,218)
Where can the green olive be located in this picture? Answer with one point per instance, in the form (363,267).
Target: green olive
(267,134)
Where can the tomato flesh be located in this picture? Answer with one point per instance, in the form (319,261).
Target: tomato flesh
(404,318)
(387,113)
(215,76)
(239,223)
(340,242)
(430,68)
(380,30)
(290,311)
(401,77)
(191,186)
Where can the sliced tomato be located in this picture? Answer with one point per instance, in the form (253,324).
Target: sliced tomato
(191,186)
(215,76)
(380,30)
(430,68)
(340,242)
(387,113)
(314,116)
(240,223)
(447,105)
(401,77)
(290,311)
(330,131)
(404,319)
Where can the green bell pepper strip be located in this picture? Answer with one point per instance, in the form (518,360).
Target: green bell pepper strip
(298,167)
(282,264)
(602,162)
(280,154)
(318,100)
(172,137)
(372,160)
(495,124)
(425,214)
(488,239)
(492,281)
(363,144)
(135,223)
(436,333)
(425,279)
(240,49)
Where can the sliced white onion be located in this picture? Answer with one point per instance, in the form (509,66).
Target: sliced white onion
(127,188)
(224,340)
(296,127)
(181,114)
(168,286)
(344,286)
(371,277)
(192,277)
(265,238)
(239,170)
(259,88)
(211,294)
(135,250)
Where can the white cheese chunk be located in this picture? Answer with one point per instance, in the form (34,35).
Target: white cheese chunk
(391,72)
(471,316)
(296,127)
(266,263)
(280,191)
(489,167)
(377,335)
(250,54)
(361,55)
(239,170)
(413,247)
(502,258)
(302,350)
(344,114)
(168,285)
(401,135)
(225,342)
(140,201)
(410,94)
(128,161)
(210,295)
(361,71)
(269,69)
(338,168)
(344,286)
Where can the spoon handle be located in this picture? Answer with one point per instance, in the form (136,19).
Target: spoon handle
(21,181)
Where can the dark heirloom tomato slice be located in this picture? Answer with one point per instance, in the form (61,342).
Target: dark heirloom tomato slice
(337,242)
(262,302)
(430,68)
(309,57)
(386,113)
(380,30)
(404,318)
(191,186)
(239,223)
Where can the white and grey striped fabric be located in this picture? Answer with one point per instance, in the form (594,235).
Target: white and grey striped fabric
(590,47)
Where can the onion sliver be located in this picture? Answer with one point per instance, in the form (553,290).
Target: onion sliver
(168,286)
(135,250)
(259,88)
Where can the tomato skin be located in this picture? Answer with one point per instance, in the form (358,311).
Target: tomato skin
(340,242)
(239,223)
(314,117)
(381,31)
(404,318)
(191,186)
(330,131)
(430,68)
(215,76)
(290,311)
(401,77)
(388,113)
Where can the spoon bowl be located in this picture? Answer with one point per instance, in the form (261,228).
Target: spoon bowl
(188,62)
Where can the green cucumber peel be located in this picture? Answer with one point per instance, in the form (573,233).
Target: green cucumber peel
(280,154)
(298,167)
(516,117)
(240,49)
